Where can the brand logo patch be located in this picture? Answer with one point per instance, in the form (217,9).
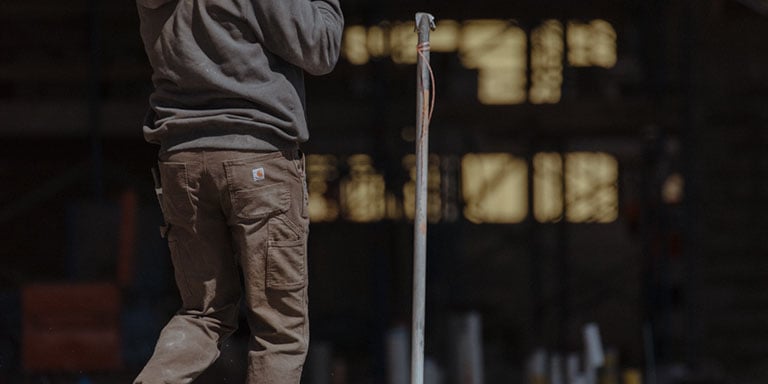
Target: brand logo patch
(258,174)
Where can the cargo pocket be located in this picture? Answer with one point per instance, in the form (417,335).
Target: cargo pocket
(286,268)
(286,259)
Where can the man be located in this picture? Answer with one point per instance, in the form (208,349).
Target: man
(228,112)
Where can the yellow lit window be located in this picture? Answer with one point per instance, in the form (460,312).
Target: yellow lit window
(592,44)
(403,41)
(354,45)
(499,85)
(377,41)
(497,49)
(494,186)
(548,187)
(363,191)
(445,38)
(673,189)
(591,189)
(321,171)
(546,63)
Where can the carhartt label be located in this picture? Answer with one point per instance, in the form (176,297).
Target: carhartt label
(258,174)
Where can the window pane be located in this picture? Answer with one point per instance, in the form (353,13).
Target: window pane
(403,41)
(445,38)
(494,186)
(591,44)
(363,191)
(321,171)
(591,191)
(497,49)
(546,63)
(548,187)
(354,46)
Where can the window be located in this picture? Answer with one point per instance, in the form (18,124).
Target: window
(591,44)
(362,192)
(546,63)
(403,41)
(548,187)
(321,173)
(494,186)
(587,193)
(591,187)
(497,49)
(579,187)
(355,43)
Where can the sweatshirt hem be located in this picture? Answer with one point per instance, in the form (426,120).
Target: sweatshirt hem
(228,142)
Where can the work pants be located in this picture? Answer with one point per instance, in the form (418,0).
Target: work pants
(232,214)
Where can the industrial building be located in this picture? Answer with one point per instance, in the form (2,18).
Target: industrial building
(591,163)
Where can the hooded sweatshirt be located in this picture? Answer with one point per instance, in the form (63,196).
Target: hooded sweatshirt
(228,74)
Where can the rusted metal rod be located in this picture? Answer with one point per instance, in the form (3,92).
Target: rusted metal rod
(424,24)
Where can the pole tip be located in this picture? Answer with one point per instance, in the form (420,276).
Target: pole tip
(423,16)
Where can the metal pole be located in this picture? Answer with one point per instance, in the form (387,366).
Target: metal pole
(424,23)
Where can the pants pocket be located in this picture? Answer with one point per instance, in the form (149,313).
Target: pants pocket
(286,265)
(261,202)
(177,195)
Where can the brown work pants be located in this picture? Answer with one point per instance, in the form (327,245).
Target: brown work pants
(234,213)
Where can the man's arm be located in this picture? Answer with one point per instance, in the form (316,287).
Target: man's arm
(306,33)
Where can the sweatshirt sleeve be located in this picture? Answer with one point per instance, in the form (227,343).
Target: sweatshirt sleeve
(306,33)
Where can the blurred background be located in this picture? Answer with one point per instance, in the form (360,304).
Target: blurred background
(597,188)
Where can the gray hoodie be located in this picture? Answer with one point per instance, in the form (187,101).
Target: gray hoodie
(228,74)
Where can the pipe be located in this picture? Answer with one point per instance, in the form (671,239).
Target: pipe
(424,24)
